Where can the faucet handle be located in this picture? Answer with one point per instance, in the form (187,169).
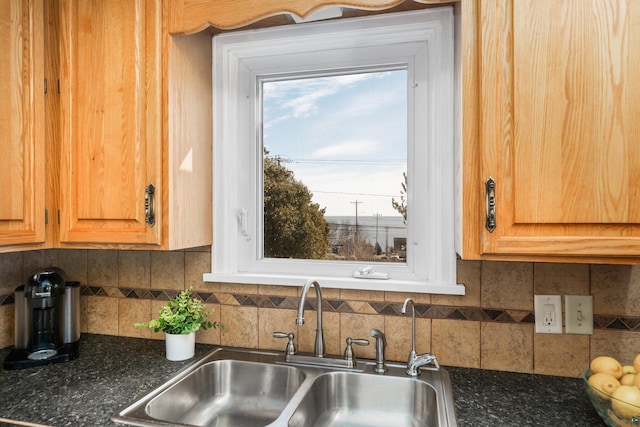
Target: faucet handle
(291,348)
(349,355)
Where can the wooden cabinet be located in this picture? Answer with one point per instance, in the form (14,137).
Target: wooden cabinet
(191,16)
(111,139)
(22,142)
(117,135)
(551,113)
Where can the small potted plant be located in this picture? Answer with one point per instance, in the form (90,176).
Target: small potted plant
(180,319)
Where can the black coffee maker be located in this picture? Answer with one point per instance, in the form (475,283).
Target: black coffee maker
(47,321)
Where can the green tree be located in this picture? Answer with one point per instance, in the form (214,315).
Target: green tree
(294,227)
(401,206)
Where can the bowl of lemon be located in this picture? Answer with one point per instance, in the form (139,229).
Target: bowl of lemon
(614,390)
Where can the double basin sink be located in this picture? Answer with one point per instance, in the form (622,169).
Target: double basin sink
(236,387)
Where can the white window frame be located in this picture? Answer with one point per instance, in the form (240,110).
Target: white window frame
(423,42)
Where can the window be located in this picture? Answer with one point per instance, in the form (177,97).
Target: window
(420,46)
(342,139)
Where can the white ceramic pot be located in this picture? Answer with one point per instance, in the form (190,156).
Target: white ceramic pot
(180,346)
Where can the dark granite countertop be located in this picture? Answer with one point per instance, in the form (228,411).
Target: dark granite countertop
(112,371)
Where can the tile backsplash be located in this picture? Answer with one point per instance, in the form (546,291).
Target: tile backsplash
(491,327)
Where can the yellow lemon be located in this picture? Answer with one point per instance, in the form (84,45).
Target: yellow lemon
(636,363)
(606,364)
(604,384)
(627,379)
(628,369)
(626,401)
(636,381)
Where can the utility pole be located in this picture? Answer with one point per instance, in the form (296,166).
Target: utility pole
(357,240)
(377,215)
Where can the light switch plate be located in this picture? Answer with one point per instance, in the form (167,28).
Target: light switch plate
(579,314)
(548,311)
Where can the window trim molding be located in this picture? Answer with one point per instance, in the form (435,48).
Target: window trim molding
(235,70)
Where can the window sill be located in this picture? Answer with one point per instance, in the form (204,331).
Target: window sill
(423,287)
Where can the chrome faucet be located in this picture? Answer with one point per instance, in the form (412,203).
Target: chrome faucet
(415,361)
(381,343)
(319,346)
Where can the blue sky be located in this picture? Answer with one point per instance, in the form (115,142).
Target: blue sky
(345,137)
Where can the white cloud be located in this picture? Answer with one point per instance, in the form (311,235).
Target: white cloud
(309,91)
(346,149)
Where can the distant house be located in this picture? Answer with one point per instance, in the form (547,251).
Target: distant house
(400,247)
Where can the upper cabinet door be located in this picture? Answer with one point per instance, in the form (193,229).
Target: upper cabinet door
(111,120)
(22,145)
(559,127)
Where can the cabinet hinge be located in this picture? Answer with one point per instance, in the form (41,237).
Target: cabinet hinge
(46,84)
(46,216)
(490,200)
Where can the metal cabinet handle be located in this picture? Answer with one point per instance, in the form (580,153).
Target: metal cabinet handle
(149,205)
(490,194)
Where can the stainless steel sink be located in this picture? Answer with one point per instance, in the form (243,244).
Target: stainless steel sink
(228,393)
(237,387)
(350,399)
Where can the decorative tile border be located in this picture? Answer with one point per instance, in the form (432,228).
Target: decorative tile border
(6,299)
(428,311)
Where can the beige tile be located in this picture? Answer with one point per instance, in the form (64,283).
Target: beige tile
(456,342)
(102,268)
(623,345)
(358,326)
(132,311)
(398,334)
(102,315)
(7,324)
(11,268)
(561,279)
(507,347)
(616,289)
(211,335)
(195,265)
(239,288)
(400,297)
(361,307)
(83,314)
(227,299)
(200,249)
(560,355)
(154,313)
(112,291)
(469,274)
(327,293)
(241,326)
(278,291)
(134,269)
(209,287)
(167,270)
(34,261)
(361,295)
(74,263)
(507,285)
(307,333)
(273,320)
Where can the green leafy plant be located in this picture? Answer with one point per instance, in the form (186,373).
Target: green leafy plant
(181,315)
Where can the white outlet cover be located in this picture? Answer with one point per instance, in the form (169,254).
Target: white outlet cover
(579,314)
(548,312)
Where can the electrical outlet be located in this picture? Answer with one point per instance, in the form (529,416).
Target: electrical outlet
(548,311)
(579,314)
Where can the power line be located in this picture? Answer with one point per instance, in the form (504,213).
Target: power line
(353,194)
(350,161)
